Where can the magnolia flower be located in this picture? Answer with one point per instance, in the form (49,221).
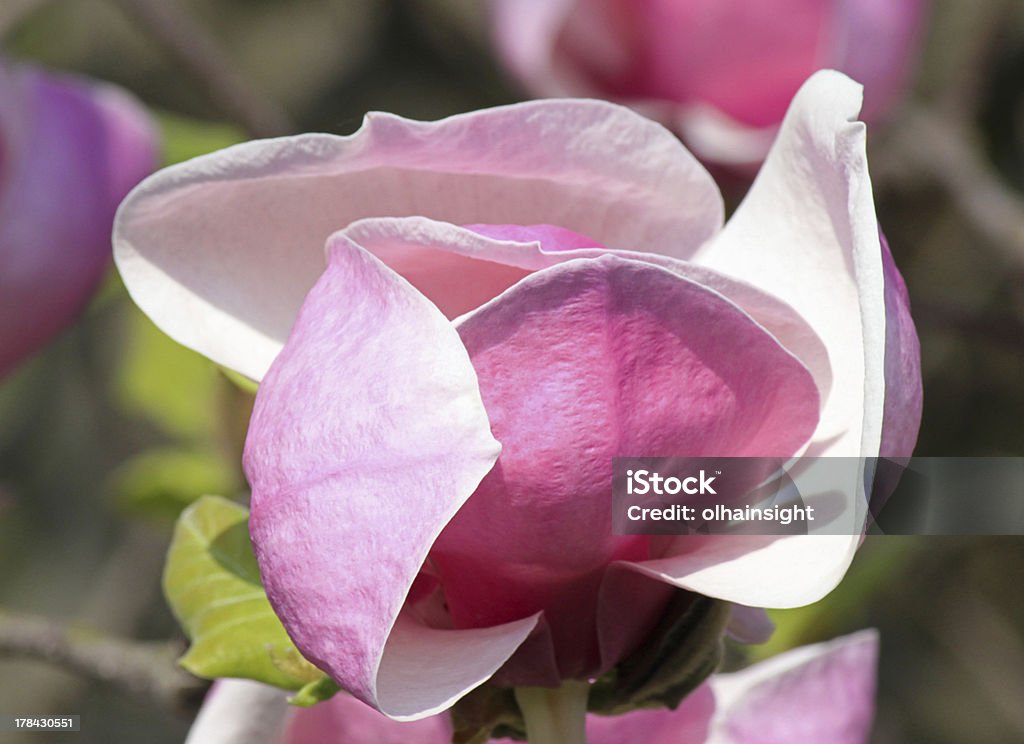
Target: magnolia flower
(820,693)
(508,299)
(719,71)
(70,150)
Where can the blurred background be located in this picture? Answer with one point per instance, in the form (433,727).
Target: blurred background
(108,432)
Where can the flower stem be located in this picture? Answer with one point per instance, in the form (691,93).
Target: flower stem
(555,715)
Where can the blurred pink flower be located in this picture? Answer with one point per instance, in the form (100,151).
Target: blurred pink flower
(721,72)
(821,693)
(70,149)
(555,277)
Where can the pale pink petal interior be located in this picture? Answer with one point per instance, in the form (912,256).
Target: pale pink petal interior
(220,251)
(903,392)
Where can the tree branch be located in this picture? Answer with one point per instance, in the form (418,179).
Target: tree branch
(198,53)
(927,143)
(146,669)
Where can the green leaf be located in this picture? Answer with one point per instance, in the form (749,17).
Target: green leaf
(170,385)
(879,563)
(241,381)
(164,481)
(212,583)
(185,138)
(315,692)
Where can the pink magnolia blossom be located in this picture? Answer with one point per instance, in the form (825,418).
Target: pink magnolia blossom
(508,299)
(722,72)
(820,693)
(70,150)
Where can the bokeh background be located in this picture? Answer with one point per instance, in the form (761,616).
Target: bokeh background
(113,428)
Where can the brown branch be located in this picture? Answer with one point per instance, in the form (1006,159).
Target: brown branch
(199,54)
(120,596)
(146,669)
(925,143)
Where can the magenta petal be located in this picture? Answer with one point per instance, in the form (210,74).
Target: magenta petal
(367,436)
(69,151)
(720,71)
(708,50)
(580,363)
(876,43)
(903,394)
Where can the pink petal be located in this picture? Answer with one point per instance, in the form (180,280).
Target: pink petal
(345,720)
(820,693)
(368,434)
(876,42)
(460,268)
(580,363)
(221,251)
(69,151)
(131,142)
(687,724)
(750,624)
(240,711)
